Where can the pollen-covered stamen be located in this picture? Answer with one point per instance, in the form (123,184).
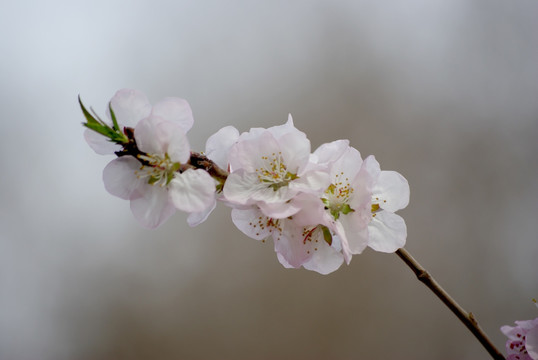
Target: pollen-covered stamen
(262,223)
(337,196)
(159,170)
(375,205)
(274,172)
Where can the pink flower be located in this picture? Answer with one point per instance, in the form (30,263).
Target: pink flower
(269,167)
(131,106)
(152,181)
(296,244)
(522,341)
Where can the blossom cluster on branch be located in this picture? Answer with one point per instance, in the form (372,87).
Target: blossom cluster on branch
(320,208)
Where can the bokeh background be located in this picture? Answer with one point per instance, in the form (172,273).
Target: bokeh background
(444,92)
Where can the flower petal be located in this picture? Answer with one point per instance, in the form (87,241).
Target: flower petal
(129,106)
(196,218)
(325,260)
(253,223)
(192,190)
(329,152)
(219,144)
(532,342)
(290,245)
(356,231)
(100,144)
(119,177)
(176,110)
(150,206)
(240,186)
(387,232)
(392,189)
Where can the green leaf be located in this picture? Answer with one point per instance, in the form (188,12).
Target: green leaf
(113,116)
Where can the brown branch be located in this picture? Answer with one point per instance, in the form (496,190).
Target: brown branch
(466,318)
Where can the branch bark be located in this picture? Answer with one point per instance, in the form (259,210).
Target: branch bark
(466,318)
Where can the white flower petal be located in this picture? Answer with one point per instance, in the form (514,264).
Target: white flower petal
(119,176)
(329,152)
(356,230)
(295,149)
(249,154)
(252,223)
(151,206)
(387,232)
(196,218)
(392,189)
(129,106)
(179,149)
(325,260)
(346,166)
(219,144)
(192,190)
(240,186)
(283,261)
(100,144)
(532,342)
(176,110)
(312,182)
(290,245)
(279,210)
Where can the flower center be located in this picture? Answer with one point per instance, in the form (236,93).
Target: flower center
(158,170)
(274,172)
(337,196)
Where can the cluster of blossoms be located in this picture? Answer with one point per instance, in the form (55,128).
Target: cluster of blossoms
(320,208)
(522,343)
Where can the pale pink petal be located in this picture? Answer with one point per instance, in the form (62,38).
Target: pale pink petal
(313,182)
(147,136)
(179,149)
(291,246)
(280,130)
(129,106)
(151,206)
(387,232)
(267,194)
(249,154)
(196,218)
(347,166)
(119,176)
(312,210)
(325,260)
(356,230)
(392,189)
(283,261)
(100,144)
(240,186)
(253,223)
(338,228)
(329,152)
(176,110)
(532,342)
(295,150)
(219,144)
(370,168)
(279,210)
(192,190)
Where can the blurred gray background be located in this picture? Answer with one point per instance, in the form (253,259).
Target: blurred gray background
(444,92)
